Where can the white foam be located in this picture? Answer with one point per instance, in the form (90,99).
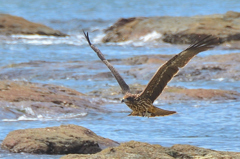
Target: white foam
(219,79)
(46,40)
(151,36)
(24,117)
(29,111)
(78,39)
(20,36)
(142,41)
(98,38)
(46,118)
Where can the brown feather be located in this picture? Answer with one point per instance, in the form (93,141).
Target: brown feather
(166,72)
(121,82)
(155,111)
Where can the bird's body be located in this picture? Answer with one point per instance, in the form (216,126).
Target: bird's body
(143,106)
(142,103)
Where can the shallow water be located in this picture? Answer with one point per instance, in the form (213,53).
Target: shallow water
(209,124)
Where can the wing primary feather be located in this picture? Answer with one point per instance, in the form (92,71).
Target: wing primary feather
(207,42)
(125,88)
(167,71)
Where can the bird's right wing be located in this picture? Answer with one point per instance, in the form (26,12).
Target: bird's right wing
(121,82)
(166,72)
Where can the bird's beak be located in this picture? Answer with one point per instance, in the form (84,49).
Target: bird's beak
(122,100)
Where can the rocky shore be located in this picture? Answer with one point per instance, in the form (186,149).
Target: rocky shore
(176,30)
(34,100)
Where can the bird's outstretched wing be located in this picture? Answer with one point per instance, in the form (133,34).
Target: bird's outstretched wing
(121,82)
(166,72)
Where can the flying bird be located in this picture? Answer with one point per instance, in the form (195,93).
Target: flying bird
(142,103)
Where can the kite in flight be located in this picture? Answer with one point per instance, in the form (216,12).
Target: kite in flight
(142,103)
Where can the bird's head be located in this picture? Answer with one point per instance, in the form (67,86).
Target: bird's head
(128,98)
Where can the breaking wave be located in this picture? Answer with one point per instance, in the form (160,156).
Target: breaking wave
(79,39)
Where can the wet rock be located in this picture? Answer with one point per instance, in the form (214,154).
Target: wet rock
(177,30)
(178,93)
(16,25)
(172,94)
(25,99)
(45,70)
(140,150)
(56,140)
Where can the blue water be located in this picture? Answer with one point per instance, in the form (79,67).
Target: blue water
(208,124)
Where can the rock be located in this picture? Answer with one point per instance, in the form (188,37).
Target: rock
(214,67)
(56,140)
(25,99)
(140,150)
(16,25)
(173,94)
(178,93)
(46,70)
(176,30)
(234,45)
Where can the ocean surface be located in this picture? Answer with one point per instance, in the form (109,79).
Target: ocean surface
(208,124)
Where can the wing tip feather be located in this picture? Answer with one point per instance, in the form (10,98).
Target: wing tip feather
(207,42)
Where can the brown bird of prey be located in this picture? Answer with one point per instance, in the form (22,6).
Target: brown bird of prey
(142,103)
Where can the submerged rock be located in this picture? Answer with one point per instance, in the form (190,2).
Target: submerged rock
(25,99)
(64,139)
(176,30)
(16,25)
(140,150)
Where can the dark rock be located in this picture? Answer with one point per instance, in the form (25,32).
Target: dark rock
(56,140)
(16,25)
(177,30)
(140,150)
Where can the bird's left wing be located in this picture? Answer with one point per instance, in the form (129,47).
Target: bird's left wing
(166,72)
(121,82)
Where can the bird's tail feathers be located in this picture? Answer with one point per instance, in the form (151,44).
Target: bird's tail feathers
(155,111)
